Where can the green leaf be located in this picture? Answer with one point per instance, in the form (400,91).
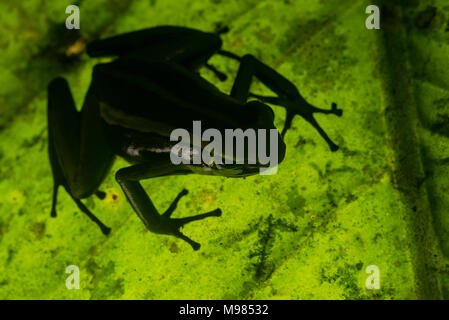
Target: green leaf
(308,232)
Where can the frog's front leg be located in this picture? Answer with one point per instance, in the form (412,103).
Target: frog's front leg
(79,155)
(288,95)
(129,178)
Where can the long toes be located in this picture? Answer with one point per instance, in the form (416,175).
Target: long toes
(105,230)
(195,245)
(221,76)
(338,112)
(334,147)
(216,213)
(100,194)
(184,192)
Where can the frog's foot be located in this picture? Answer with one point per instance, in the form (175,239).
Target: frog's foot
(298,106)
(306,111)
(180,222)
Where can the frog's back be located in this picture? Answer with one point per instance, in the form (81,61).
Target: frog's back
(159,97)
(161,43)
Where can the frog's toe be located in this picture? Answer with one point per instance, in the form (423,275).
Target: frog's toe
(220,75)
(174,204)
(195,245)
(100,194)
(182,221)
(106,230)
(221,29)
(335,110)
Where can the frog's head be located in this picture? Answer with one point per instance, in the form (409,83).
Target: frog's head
(250,149)
(272,140)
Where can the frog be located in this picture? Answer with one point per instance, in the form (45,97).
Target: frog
(150,85)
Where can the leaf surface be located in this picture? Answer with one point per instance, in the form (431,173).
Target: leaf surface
(308,232)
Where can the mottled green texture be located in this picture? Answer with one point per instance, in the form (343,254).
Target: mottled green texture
(307,232)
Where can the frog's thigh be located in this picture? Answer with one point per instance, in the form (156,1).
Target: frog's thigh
(95,155)
(77,147)
(63,131)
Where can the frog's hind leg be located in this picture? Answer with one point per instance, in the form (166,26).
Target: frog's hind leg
(288,95)
(129,179)
(188,47)
(59,181)
(71,163)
